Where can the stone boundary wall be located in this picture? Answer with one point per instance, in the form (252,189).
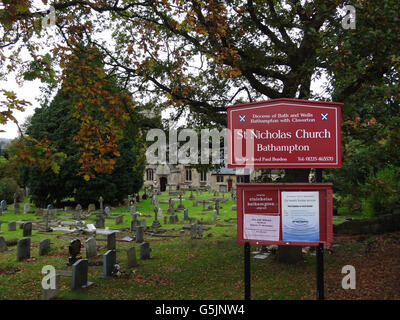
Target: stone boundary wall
(381,224)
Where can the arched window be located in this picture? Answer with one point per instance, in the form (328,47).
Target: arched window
(149,175)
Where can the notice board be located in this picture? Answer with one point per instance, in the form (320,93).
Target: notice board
(285,214)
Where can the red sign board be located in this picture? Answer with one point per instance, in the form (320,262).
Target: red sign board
(285,214)
(284,133)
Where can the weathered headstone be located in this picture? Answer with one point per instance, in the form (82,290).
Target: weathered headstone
(74,251)
(12,226)
(91,249)
(133,210)
(27,229)
(78,207)
(101,200)
(27,208)
(80,275)
(173,219)
(215,215)
(156,224)
(3,244)
(139,234)
(111,241)
(3,204)
(107,211)
(132,261)
(109,260)
(16,208)
(99,221)
(44,246)
(23,249)
(145,250)
(91,207)
(186,214)
(196,231)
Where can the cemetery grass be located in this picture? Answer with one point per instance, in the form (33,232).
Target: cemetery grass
(182,268)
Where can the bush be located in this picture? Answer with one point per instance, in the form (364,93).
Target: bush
(8,187)
(384,190)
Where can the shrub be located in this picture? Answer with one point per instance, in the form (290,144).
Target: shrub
(8,187)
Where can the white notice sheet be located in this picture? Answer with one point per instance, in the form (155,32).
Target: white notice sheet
(300,216)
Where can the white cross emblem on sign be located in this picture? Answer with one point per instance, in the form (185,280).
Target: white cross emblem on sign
(242,118)
(324,116)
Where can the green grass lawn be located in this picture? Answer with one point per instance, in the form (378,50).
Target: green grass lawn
(180,268)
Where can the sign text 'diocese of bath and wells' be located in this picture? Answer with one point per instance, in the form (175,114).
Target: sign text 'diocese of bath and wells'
(284,133)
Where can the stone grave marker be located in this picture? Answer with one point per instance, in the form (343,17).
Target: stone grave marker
(27,229)
(215,215)
(111,241)
(3,204)
(12,226)
(27,208)
(139,234)
(23,249)
(173,219)
(156,224)
(145,251)
(132,261)
(101,200)
(196,231)
(165,220)
(91,249)
(109,261)
(91,207)
(44,247)
(16,208)
(3,244)
(74,249)
(80,275)
(186,214)
(107,211)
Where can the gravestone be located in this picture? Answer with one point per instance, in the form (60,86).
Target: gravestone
(44,247)
(99,221)
(173,219)
(107,211)
(139,234)
(111,241)
(3,204)
(196,231)
(27,208)
(74,249)
(109,261)
(3,244)
(80,275)
(119,219)
(12,226)
(77,208)
(215,215)
(145,251)
(156,224)
(27,229)
(133,210)
(165,220)
(131,253)
(91,207)
(101,200)
(171,209)
(180,206)
(16,208)
(23,249)
(91,249)
(186,214)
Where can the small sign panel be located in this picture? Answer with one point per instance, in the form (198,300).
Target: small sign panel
(285,213)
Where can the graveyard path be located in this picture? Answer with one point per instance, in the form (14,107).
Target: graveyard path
(376,259)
